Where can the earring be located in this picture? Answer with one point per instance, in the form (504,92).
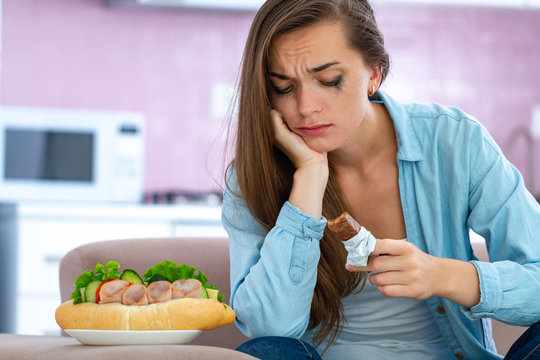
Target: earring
(373,91)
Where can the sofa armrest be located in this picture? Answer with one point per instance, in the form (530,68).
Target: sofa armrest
(30,347)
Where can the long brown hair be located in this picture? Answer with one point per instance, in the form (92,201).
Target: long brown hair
(264,173)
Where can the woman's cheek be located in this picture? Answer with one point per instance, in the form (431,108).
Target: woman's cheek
(286,118)
(284,104)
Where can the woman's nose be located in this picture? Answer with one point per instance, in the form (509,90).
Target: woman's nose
(308,104)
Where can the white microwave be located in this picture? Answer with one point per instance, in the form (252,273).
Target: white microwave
(80,155)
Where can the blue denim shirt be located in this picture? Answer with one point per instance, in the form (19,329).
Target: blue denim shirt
(452,178)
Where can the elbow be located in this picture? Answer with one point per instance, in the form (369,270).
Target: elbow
(256,330)
(258,316)
(268,324)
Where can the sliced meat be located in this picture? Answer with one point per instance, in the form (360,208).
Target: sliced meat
(190,288)
(136,294)
(159,291)
(111,291)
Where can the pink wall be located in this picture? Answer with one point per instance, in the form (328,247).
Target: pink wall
(483,60)
(82,54)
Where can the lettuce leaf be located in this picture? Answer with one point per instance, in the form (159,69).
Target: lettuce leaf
(101,273)
(109,271)
(170,271)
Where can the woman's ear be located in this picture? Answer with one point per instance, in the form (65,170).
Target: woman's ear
(375,76)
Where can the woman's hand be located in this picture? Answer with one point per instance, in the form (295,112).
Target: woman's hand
(403,270)
(311,174)
(293,145)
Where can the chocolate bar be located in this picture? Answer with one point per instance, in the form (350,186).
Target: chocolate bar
(344,226)
(358,241)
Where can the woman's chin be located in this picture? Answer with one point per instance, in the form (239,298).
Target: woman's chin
(320,145)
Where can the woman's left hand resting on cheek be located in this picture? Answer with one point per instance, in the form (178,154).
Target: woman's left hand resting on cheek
(403,270)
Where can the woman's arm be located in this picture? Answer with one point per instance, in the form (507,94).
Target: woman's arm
(508,217)
(273,274)
(311,175)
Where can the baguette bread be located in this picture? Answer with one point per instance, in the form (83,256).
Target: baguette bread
(178,314)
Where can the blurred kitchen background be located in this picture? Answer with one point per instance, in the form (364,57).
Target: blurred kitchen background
(137,93)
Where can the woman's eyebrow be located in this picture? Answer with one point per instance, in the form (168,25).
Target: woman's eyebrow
(312,70)
(323,67)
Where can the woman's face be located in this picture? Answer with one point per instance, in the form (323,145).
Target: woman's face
(320,85)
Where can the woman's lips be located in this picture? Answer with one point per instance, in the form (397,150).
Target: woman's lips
(315,130)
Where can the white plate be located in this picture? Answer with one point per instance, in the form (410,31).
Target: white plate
(121,337)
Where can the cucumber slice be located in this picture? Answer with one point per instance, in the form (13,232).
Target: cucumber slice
(157,278)
(131,277)
(204,293)
(212,293)
(91,289)
(83,294)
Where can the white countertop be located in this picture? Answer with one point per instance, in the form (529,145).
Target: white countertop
(188,212)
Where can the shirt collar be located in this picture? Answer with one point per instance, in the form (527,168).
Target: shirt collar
(408,145)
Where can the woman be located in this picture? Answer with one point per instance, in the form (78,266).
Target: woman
(315,138)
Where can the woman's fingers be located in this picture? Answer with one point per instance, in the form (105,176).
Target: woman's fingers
(401,269)
(391,247)
(292,144)
(280,129)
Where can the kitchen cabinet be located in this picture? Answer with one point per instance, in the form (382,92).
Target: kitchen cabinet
(47,231)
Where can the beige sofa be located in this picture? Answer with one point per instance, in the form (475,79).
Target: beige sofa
(209,254)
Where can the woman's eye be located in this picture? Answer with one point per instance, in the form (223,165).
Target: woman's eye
(333,83)
(281,91)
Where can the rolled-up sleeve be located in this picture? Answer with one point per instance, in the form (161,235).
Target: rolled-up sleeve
(273,274)
(508,217)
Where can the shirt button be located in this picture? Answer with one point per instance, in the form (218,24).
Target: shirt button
(440,310)
(460,356)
